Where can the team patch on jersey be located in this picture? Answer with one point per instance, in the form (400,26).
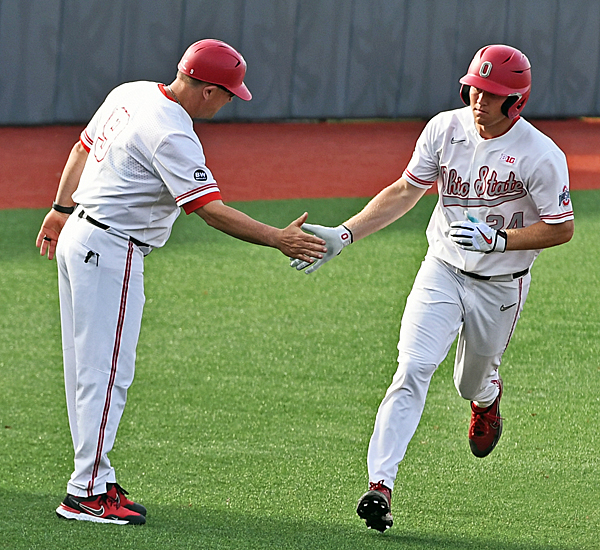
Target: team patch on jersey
(506,158)
(200,175)
(564,198)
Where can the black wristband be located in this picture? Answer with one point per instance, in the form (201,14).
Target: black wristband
(63,209)
(502,234)
(351,235)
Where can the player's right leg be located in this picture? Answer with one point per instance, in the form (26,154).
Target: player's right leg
(431,320)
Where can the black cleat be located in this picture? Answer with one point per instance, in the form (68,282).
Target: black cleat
(375,507)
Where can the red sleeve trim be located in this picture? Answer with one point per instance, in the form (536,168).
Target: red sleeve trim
(86,145)
(417,182)
(202,189)
(191,206)
(557,218)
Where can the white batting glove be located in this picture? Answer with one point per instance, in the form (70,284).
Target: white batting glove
(336,239)
(477,236)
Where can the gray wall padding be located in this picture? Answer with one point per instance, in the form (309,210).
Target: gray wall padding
(307,59)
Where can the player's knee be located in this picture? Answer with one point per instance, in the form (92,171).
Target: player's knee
(412,373)
(467,389)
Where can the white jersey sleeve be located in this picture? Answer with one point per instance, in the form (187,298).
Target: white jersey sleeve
(423,169)
(176,162)
(511,181)
(549,187)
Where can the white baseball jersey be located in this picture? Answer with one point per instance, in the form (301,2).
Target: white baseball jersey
(508,182)
(145,162)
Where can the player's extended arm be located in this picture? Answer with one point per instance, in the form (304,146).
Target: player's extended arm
(291,241)
(386,207)
(54,220)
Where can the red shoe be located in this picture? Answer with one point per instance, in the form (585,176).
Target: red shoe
(375,507)
(99,509)
(115,491)
(486,426)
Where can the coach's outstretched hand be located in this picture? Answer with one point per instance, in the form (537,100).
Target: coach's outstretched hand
(295,243)
(336,238)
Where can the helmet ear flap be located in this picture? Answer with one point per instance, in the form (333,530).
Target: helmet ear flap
(506,106)
(464,93)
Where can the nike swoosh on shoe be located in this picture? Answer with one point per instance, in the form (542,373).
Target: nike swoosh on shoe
(92,511)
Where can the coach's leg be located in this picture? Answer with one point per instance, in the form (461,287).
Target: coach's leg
(108,301)
(431,320)
(63,248)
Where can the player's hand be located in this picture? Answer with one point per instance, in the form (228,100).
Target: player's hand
(336,239)
(48,235)
(474,235)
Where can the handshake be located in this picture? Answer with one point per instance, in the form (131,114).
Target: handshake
(470,234)
(336,239)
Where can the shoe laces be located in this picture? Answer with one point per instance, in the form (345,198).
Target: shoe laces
(376,486)
(106,498)
(120,490)
(483,419)
(379,486)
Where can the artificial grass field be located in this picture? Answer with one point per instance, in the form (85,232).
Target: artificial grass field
(256,390)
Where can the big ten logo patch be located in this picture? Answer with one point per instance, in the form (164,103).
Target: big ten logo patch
(506,158)
(200,175)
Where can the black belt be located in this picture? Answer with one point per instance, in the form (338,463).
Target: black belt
(491,277)
(105,227)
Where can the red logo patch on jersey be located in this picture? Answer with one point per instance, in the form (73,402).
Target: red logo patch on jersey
(506,158)
(565,197)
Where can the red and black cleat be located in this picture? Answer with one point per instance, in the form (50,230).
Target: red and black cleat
(486,426)
(98,509)
(375,507)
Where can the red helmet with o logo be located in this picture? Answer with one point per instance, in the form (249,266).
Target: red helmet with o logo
(501,70)
(216,62)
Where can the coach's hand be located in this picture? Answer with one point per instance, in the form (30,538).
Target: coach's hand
(336,239)
(476,236)
(48,235)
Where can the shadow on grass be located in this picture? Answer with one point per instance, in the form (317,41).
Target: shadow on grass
(28,521)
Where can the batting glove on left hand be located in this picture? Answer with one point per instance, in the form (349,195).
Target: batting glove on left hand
(476,236)
(336,239)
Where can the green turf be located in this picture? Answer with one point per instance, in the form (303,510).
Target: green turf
(256,390)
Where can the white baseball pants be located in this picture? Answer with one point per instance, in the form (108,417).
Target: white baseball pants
(101,293)
(443,303)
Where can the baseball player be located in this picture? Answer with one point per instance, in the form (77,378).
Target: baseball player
(503,196)
(138,162)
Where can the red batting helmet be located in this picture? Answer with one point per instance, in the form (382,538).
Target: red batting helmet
(500,70)
(216,62)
